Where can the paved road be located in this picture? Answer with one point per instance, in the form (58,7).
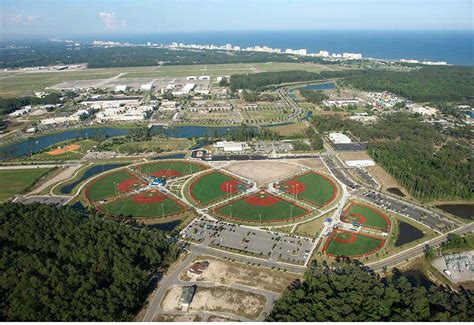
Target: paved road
(154,308)
(12,167)
(416,251)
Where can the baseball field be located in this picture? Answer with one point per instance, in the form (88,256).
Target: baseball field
(169,169)
(312,187)
(366,216)
(112,184)
(261,207)
(214,186)
(344,243)
(148,204)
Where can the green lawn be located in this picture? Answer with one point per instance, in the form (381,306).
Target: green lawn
(373,217)
(243,210)
(128,207)
(106,185)
(207,189)
(180,167)
(318,189)
(14,182)
(362,245)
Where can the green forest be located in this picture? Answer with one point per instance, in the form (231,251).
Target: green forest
(346,291)
(425,84)
(9,105)
(417,154)
(47,53)
(57,265)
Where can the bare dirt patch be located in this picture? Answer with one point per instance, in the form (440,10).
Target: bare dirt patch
(171,300)
(178,318)
(384,179)
(354,156)
(222,272)
(219,319)
(226,300)
(62,175)
(313,163)
(263,172)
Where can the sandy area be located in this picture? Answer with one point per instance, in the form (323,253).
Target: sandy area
(384,178)
(223,299)
(354,156)
(63,175)
(219,319)
(315,163)
(60,151)
(171,300)
(263,172)
(222,272)
(177,318)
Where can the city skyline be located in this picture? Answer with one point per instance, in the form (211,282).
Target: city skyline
(56,18)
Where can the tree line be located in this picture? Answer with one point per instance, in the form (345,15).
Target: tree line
(58,265)
(415,153)
(348,291)
(9,105)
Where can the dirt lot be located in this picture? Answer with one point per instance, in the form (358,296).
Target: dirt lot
(177,318)
(171,300)
(222,272)
(226,300)
(313,163)
(219,319)
(384,179)
(354,156)
(263,172)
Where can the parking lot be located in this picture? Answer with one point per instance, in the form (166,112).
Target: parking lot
(337,171)
(428,218)
(264,244)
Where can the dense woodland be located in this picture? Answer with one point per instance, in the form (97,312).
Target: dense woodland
(346,291)
(424,84)
(314,96)
(417,154)
(57,265)
(47,53)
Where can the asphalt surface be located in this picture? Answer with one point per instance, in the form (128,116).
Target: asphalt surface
(263,244)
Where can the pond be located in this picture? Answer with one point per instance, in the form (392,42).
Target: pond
(40,143)
(407,234)
(396,191)
(92,171)
(324,86)
(169,226)
(465,211)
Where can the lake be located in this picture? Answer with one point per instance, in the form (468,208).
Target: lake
(407,233)
(465,211)
(92,171)
(324,86)
(40,143)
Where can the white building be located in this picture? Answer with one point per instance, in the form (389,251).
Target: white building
(185,90)
(120,88)
(21,112)
(204,78)
(231,146)
(146,87)
(100,104)
(341,102)
(352,56)
(168,105)
(360,163)
(339,138)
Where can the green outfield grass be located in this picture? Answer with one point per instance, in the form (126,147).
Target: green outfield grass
(174,168)
(128,207)
(312,187)
(106,185)
(373,217)
(213,187)
(14,182)
(362,245)
(279,210)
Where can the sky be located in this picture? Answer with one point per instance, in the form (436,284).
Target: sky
(101,17)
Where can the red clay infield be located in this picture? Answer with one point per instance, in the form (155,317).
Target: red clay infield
(148,197)
(294,187)
(166,173)
(352,238)
(262,200)
(229,186)
(127,185)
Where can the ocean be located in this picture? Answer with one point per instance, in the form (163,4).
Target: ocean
(455,47)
